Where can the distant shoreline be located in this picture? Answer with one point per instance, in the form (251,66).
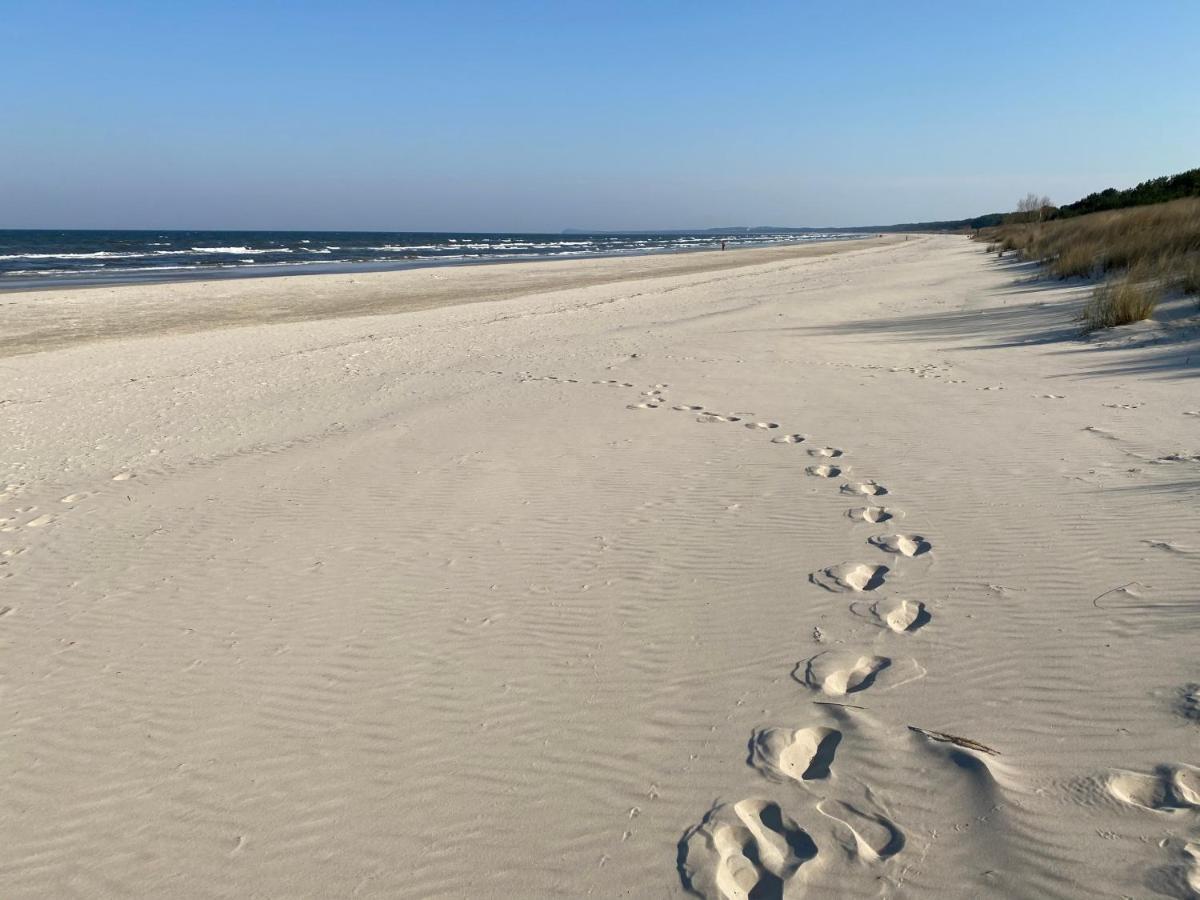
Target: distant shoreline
(165,275)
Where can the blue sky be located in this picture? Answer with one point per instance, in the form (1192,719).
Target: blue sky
(539,116)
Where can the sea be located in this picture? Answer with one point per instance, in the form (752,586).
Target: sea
(38,259)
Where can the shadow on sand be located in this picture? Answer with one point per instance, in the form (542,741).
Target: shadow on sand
(1037,310)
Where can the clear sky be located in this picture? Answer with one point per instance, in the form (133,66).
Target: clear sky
(513,115)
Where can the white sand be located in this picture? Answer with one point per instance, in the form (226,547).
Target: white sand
(456,603)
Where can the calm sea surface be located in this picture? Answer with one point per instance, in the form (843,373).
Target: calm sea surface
(63,258)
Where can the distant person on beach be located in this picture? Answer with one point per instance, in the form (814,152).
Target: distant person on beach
(722,245)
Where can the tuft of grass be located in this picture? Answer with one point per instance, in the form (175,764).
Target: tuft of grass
(1185,275)
(1074,261)
(1120,302)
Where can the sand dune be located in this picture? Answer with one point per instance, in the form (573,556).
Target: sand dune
(843,575)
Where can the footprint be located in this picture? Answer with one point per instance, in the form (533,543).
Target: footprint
(647,405)
(804,754)
(40,521)
(72,498)
(1170,788)
(552,378)
(865,488)
(1049,396)
(789,439)
(122,476)
(614,383)
(1192,412)
(850,577)
(1187,703)
(872,514)
(713,417)
(894,614)
(903,544)
(688,408)
(865,832)
(762,425)
(839,672)
(826,452)
(824,471)
(1125,406)
(1182,877)
(743,850)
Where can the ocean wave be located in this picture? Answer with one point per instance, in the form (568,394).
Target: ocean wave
(124,255)
(402,248)
(239,250)
(99,254)
(106,270)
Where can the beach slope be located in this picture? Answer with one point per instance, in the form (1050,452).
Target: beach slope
(805,572)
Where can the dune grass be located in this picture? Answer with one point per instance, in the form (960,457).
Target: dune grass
(1142,251)
(1120,302)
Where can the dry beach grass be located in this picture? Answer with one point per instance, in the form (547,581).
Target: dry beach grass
(1143,251)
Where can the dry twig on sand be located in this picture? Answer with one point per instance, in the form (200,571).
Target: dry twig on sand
(953,739)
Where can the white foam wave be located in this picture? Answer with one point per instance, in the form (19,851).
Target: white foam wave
(242,250)
(99,254)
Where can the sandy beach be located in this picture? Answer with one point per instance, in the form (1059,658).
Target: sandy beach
(844,570)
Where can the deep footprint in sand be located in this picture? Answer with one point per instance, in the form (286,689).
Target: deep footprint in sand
(749,849)
(713,417)
(826,452)
(865,488)
(850,577)
(789,439)
(841,672)
(1181,878)
(865,832)
(762,425)
(647,405)
(838,672)
(894,614)
(902,544)
(686,407)
(802,754)
(824,471)
(1169,788)
(873,514)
